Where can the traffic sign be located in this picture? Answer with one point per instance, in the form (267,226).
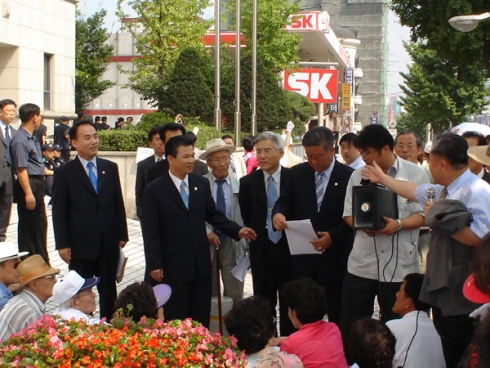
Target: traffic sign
(392,124)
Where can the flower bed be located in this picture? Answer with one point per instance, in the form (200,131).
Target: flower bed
(148,343)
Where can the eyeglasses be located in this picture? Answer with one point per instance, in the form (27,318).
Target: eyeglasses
(409,146)
(220,160)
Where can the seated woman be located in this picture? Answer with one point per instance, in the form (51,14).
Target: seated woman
(250,322)
(371,344)
(146,301)
(76,297)
(317,343)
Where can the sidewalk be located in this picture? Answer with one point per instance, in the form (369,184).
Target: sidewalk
(133,250)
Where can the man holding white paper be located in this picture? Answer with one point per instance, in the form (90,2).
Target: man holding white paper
(316,191)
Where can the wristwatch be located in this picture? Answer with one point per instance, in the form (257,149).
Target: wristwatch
(399,224)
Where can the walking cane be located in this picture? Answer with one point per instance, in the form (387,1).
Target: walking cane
(216,251)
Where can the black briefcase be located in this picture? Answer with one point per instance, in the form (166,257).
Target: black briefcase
(369,204)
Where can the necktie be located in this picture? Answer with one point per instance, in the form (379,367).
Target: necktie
(183,194)
(319,189)
(8,140)
(443,194)
(272,195)
(159,159)
(220,206)
(92,177)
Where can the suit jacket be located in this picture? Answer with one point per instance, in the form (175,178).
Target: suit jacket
(241,246)
(84,220)
(175,237)
(253,207)
(298,202)
(239,163)
(4,152)
(160,168)
(141,181)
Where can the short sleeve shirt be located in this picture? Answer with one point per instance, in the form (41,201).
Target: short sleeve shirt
(26,153)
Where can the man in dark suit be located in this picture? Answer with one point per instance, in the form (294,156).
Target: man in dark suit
(316,191)
(168,131)
(270,258)
(7,116)
(155,142)
(89,219)
(176,208)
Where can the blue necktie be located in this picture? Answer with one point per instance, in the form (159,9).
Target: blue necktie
(319,189)
(92,177)
(220,206)
(272,196)
(8,140)
(183,194)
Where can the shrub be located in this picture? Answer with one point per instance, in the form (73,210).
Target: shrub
(125,139)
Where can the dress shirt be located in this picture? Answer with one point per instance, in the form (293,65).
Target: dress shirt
(20,311)
(2,128)
(317,344)
(364,257)
(177,182)
(326,177)
(425,349)
(472,191)
(480,174)
(84,164)
(226,192)
(277,182)
(357,163)
(5,295)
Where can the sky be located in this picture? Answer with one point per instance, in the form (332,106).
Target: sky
(398,58)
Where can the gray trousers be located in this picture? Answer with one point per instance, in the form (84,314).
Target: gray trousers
(233,288)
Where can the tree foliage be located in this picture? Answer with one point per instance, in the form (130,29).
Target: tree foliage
(437,91)
(273,111)
(428,20)
(187,92)
(92,56)
(276,47)
(301,108)
(161,30)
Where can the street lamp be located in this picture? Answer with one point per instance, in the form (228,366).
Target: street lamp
(467,23)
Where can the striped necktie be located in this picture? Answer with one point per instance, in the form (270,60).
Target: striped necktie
(319,189)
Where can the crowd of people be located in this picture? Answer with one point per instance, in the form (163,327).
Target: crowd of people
(426,267)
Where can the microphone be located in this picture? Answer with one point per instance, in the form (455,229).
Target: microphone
(431,195)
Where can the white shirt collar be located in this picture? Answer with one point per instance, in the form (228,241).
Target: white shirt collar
(276,175)
(177,181)
(227,179)
(84,162)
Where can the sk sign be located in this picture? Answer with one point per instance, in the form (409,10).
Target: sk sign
(318,85)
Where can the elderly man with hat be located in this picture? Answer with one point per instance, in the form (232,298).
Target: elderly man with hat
(76,297)
(9,260)
(224,188)
(37,279)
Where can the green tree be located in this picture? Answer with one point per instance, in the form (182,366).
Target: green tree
(273,111)
(92,56)
(428,20)
(407,122)
(276,47)
(300,106)
(161,30)
(187,92)
(439,92)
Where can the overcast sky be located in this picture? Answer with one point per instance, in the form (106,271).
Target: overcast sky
(397,57)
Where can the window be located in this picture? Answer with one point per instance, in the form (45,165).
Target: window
(47,82)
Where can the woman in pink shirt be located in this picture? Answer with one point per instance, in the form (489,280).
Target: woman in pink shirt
(317,343)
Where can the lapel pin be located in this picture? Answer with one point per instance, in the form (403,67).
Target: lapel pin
(195,188)
(103,172)
(336,184)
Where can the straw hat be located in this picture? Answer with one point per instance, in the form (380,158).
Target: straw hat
(216,145)
(9,250)
(480,154)
(32,268)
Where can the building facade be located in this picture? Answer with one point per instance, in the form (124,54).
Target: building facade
(37,55)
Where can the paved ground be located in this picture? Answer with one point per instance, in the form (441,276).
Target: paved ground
(133,250)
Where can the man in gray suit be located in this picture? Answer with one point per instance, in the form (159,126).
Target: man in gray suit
(8,109)
(224,188)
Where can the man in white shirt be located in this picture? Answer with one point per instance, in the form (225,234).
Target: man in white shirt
(417,342)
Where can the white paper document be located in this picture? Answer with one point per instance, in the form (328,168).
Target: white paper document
(299,234)
(143,152)
(240,270)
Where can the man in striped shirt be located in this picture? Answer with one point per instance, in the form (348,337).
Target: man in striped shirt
(37,279)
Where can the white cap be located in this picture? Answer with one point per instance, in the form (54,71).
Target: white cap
(9,250)
(67,287)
